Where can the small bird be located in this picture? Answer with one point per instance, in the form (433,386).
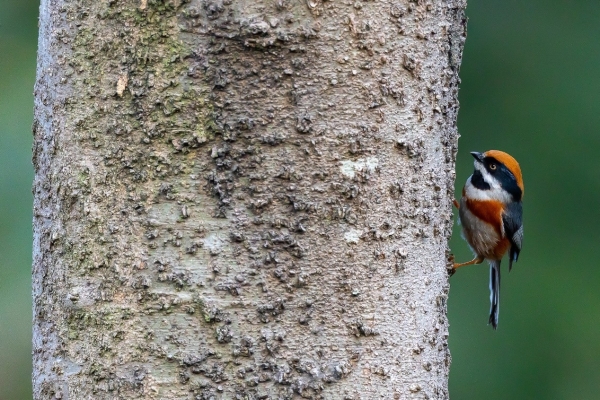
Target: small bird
(491,215)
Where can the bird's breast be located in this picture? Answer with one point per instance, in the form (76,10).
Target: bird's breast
(488,211)
(482,227)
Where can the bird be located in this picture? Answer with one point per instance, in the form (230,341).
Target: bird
(491,215)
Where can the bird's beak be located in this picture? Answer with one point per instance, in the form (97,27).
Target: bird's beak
(478,156)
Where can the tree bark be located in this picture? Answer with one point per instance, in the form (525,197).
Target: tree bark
(244,199)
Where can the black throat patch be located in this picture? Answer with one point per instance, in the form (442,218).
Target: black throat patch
(478,182)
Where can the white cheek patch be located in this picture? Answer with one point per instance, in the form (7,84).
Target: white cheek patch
(495,192)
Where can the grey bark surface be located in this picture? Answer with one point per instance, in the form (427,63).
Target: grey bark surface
(244,199)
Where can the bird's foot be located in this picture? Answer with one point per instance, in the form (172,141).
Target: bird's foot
(451,270)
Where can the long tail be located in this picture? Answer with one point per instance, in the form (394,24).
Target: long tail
(494,292)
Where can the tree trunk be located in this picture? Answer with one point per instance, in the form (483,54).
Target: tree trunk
(244,199)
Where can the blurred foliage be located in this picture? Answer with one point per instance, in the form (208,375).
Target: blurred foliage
(531,87)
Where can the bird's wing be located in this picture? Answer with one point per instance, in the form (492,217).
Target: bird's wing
(512,220)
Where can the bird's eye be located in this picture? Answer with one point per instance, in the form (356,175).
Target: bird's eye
(493,167)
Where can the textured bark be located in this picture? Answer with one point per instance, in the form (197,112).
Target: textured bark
(244,199)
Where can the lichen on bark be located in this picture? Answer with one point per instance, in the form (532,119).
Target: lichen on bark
(244,199)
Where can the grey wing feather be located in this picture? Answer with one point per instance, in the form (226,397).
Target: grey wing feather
(517,238)
(513,229)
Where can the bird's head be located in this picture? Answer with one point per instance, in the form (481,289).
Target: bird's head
(499,173)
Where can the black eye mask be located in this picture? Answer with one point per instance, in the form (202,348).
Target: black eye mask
(504,176)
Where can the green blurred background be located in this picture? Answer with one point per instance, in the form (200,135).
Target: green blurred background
(531,87)
(18,42)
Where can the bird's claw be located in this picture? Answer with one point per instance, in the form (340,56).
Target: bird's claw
(451,270)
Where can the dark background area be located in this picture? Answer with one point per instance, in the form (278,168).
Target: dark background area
(531,87)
